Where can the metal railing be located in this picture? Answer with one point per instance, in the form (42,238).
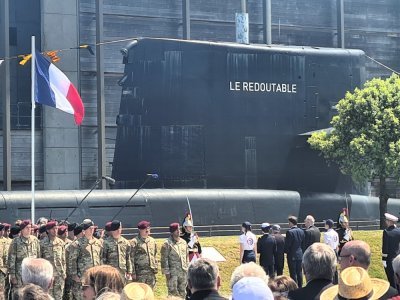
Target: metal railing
(232,230)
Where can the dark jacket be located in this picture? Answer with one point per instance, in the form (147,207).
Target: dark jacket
(311,235)
(266,246)
(280,248)
(390,242)
(311,291)
(294,240)
(207,295)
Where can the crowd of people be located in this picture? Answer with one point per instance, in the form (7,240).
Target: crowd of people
(61,260)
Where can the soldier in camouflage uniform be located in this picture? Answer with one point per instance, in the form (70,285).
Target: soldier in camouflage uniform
(174,262)
(52,249)
(76,234)
(21,247)
(117,250)
(144,256)
(3,259)
(7,240)
(83,253)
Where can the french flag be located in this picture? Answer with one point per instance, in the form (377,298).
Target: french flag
(54,89)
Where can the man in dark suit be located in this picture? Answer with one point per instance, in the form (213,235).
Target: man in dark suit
(311,233)
(390,246)
(266,246)
(294,253)
(279,256)
(319,265)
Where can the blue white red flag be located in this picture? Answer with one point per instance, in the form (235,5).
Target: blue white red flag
(54,89)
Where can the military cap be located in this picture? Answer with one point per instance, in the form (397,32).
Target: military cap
(108,226)
(329,222)
(72,226)
(390,217)
(115,225)
(1,226)
(42,228)
(14,230)
(78,230)
(265,226)
(51,225)
(143,225)
(35,227)
(173,227)
(7,226)
(246,225)
(62,229)
(87,223)
(24,223)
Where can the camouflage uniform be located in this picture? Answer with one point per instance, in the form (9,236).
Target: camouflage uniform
(68,280)
(144,260)
(82,255)
(174,262)
(54,252)
(116,253)
(20,248)
(4,244)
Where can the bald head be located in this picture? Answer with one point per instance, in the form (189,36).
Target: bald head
(355,254)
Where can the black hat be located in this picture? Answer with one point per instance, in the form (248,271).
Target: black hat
(87,223)
(115,225)
(247,225)
(42,228)
(78,230)
(15,230)
(72,226)
(2,226)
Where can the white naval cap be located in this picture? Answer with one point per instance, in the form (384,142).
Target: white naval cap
(265,225)
(391,217)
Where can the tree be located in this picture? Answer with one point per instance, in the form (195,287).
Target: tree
(365,140)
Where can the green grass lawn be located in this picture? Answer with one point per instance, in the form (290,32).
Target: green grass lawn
(229,248)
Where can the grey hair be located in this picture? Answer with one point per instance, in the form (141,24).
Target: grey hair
(37,271)
(250,269)
(311,219)
(203,274)
(396,265)
(319,261)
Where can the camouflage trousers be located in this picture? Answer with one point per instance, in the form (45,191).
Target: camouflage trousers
(57,290)
(177,284)
(77,290)
(68,289)
(15,287)
(148,278)
(3,281)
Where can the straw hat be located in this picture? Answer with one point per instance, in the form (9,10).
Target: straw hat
(354,283)
(137,291)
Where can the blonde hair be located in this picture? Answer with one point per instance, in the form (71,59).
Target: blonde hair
(250,269)
(282,285)
(103,279)
(109,296)
(137,291)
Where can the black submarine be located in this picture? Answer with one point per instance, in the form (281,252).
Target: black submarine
(225,126)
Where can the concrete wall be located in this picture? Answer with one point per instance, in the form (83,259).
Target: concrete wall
(61,154)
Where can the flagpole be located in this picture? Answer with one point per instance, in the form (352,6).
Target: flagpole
(33,73)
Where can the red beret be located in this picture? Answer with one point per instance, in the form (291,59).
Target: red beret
(7,226)
(51,225)
(62,229)
(173,227)
(24,223)
(108,226)
(143,225)
(35,227)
